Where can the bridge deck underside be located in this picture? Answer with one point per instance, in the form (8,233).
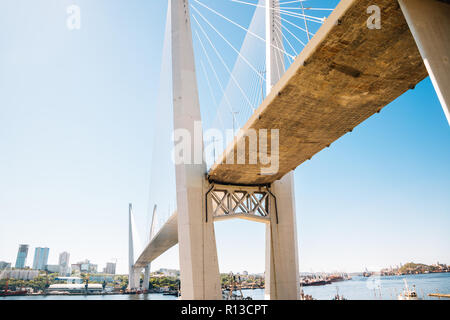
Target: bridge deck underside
(345,74)
(165,239)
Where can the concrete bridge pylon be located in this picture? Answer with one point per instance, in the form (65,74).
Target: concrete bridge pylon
(429,22)
(199,267)
(282,269)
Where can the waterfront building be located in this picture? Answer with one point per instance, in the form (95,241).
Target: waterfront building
(19,274)
(92,268)
(84,267)
(169,272)
(76,288)
(22,256)
(5,265)
(101,278)
(110,268)
(64,263)
(76,267)
(40,258)
(52,268)
(70,280)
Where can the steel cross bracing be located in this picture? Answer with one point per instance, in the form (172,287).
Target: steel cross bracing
(245,202)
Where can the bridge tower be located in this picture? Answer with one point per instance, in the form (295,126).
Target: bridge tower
(429,22)
(281,276)
(199,268)
(133,272)
(147,269)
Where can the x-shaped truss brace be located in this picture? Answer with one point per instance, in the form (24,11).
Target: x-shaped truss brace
(239,201)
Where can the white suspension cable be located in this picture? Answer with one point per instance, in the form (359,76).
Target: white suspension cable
(236,24)
(287,40)
(301,16)
(211,92)
(295,37)
(223,37)
(296,1)
(306,23)
(214,71)
(318,20)
(294,25)
(223,62)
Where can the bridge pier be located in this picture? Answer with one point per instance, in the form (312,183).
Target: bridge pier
(282,270)
(135,279)
(429,22)
(146,283)
(199,267)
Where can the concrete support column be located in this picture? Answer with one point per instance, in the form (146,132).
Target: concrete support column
(137,278)
(199,268)
(429,21)
(282,275)
(134,279)
(131,270)
(146,284)
(131,282)
(147,269)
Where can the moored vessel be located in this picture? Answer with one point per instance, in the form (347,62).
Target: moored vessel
(408,294)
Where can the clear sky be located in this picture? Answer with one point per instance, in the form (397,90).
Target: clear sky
(76,115)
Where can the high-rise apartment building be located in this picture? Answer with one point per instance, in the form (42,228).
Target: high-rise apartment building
(40,258)
(22,256)
(110,268)
(64,263)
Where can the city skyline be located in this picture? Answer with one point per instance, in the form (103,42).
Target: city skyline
(65,256)
(40,261)
(75,155)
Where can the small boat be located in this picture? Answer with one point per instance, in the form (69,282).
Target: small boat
(171,293)
(366,273)
(337,296)
(234,285)
(304,296)
(408,294)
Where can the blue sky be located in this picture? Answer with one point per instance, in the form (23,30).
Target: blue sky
(77,111)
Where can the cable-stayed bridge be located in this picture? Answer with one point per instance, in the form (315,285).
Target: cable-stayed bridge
(307,81)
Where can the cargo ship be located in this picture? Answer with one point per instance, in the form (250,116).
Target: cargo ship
(314,282)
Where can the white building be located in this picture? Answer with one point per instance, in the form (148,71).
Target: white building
(110,268)
(19,274)
(52,268)
(169,272)
(75,288)
(64,268)
(76,267)
(85,267)
(5,265)
(70,280)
